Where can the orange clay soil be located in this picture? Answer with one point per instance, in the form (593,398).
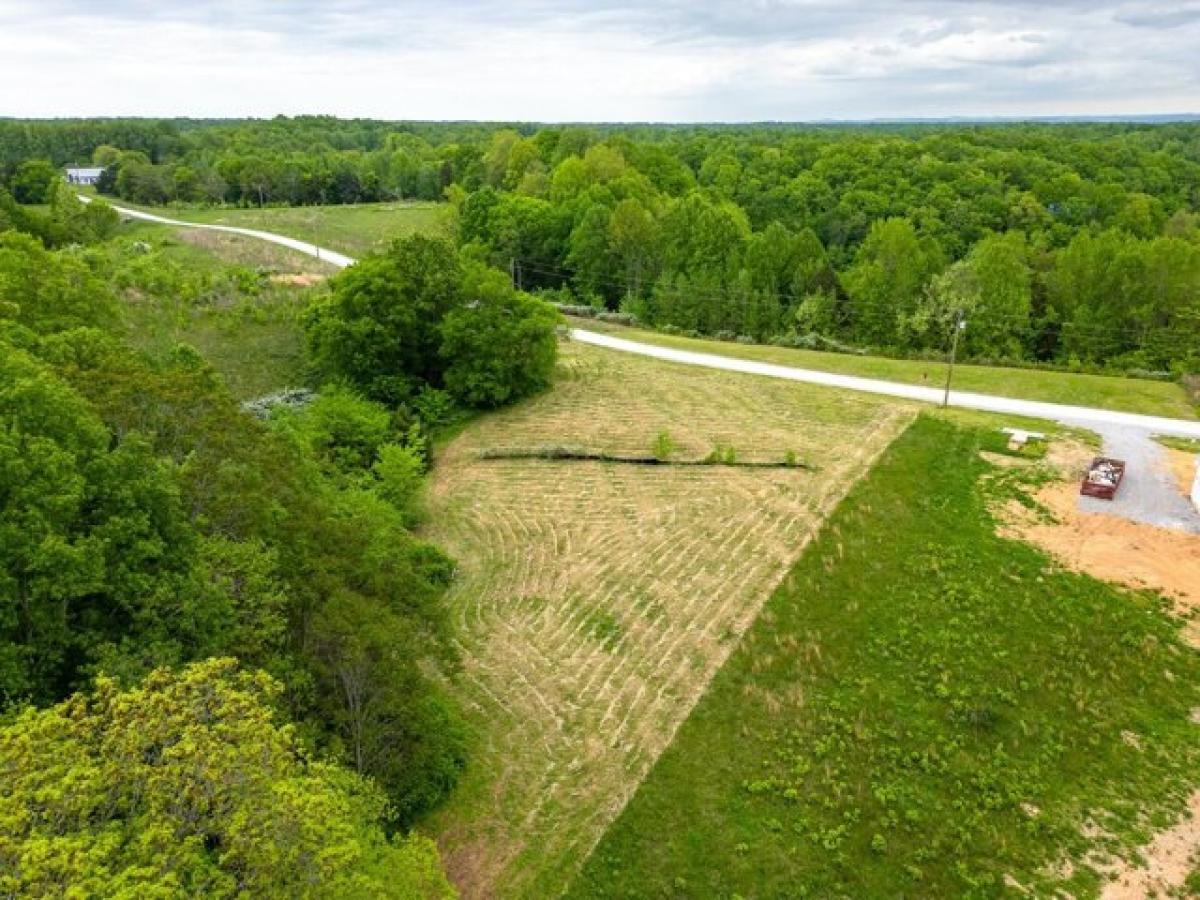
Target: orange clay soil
(1183,466)
(1106,546)
(1109,547)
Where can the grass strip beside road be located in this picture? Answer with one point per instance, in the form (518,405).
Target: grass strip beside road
(1136,395)
(354,229)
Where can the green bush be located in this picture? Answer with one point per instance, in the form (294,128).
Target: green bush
(500,345)
(663,446)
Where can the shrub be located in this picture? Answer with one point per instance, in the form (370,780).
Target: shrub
(400,471)
(501,345)
(572,309)
(663,446)
(617,318)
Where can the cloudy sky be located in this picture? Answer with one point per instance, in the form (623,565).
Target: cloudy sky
(573,60)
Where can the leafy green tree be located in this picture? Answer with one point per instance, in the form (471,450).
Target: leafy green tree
(379,328)
(1000,263)
(589,257)
(81,223)
(98,561)
(51,291)
(499,346)
(189,785)
(32,180)
(886,281)
(633,240)
(322,541)
(1094,283)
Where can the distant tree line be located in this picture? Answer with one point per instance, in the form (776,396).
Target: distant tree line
(1059,244)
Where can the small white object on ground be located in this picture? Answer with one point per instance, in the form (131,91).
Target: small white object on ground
(1018,437)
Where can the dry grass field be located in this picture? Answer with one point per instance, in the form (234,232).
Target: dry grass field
(596,600)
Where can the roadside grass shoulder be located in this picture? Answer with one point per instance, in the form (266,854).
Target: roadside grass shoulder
(1138,395)
(1185,445)
(922,709)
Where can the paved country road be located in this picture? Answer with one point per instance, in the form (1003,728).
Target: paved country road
(1073,415)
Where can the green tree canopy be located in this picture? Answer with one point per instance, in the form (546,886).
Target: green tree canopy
(189,785)
(378,330)
(499,346)
(31,182)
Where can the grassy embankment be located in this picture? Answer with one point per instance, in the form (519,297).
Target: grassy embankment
(247,327)
(355,229)
(923,709)
(1157,398)
(223,295)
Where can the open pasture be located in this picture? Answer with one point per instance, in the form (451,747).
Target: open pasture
(596,600)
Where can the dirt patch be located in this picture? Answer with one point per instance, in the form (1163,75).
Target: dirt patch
(1168,861)
(1183,467)
(242,250)
(299,279)
(1109,547)
(1070,458)
(1004,461)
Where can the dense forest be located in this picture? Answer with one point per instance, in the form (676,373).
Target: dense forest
(1072,245)
(220,638)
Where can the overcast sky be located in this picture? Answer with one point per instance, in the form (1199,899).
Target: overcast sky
(572,60)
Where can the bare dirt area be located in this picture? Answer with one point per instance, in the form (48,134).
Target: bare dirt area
(1103,545)
(298,279)
(596,600)
(1140,556)
(1183,468)
(1168,860)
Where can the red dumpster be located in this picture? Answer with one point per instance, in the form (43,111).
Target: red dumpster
(1103,478)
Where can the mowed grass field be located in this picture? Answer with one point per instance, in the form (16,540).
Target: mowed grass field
(1138,395)
(595,600)
(923,709)
(355,229)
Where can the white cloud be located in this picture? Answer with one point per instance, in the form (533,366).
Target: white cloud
(572,60)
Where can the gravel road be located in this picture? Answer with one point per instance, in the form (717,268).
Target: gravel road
(330,256)
(1147,494)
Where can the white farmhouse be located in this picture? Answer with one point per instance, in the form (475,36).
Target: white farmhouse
(84,174)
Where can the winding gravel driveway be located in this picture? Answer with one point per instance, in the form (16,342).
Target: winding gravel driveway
(330,256)
(1148,495)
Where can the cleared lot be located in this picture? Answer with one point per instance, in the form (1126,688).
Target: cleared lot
(596,600)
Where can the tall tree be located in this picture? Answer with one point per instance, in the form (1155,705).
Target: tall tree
(189,785)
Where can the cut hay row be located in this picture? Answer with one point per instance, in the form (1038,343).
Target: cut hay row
(595,601)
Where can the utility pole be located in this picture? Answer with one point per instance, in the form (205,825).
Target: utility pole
(960,323)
